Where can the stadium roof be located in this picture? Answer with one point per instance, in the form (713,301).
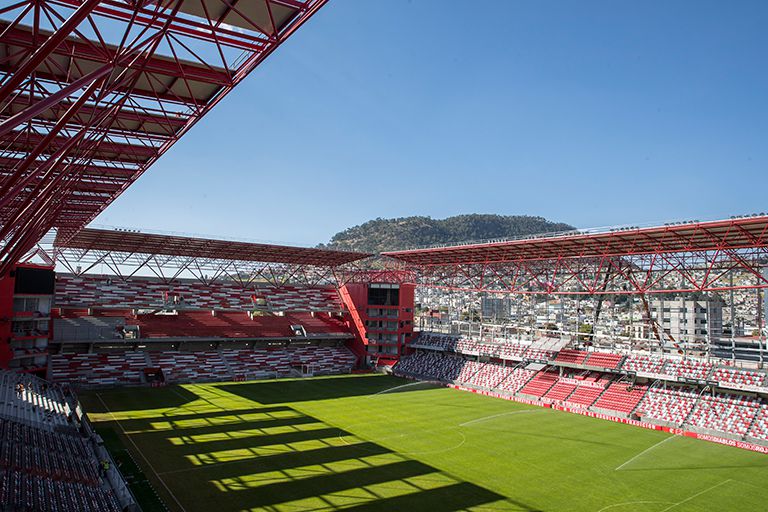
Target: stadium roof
(93,92)
(735,233)
(171,245)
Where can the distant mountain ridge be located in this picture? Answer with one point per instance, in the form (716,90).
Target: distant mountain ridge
(382,235)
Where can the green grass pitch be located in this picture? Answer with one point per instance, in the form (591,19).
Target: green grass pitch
(355,443)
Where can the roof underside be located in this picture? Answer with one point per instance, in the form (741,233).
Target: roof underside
(726,235)
(153,244)
(99,106)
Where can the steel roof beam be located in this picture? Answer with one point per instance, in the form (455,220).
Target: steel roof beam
(43,51)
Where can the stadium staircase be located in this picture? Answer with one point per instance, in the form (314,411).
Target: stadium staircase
(358,325)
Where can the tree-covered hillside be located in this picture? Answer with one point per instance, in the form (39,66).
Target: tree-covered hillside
(408,232)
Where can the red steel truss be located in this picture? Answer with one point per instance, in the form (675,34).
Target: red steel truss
(169,257)
(93,92)
(676,258)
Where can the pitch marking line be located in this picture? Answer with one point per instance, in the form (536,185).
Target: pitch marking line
(485,418)
(396,387)
(624,504)
(141,453)
(645,451)
(696,495)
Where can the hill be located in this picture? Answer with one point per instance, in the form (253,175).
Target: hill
(408,232)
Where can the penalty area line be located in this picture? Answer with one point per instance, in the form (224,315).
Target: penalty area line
(696,495)
(645,451)
(485,418)
(397,387)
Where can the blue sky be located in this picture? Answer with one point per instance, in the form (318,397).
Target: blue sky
(591,113)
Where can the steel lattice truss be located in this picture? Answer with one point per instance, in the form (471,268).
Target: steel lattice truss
(169,257)
(93,92)
(679,258)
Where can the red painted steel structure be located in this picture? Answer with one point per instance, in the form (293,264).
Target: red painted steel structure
(93,92)
(675,258)
(168,257)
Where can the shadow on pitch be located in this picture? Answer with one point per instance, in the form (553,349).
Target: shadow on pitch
(126,399)
(247,459)
(285,391)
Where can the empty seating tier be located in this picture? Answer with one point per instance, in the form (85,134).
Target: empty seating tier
(560,391)
(759,429)
(201,366)
(124,367)
(620,397)
(571,356)
(725,413)
(689,368)
(585,395)
(604,360)
(671,405)
(644,364)
(739,377)
(468,370)
(49,471)
(432,366)
(490,376)
(539,384)
(40,402)
(103,291)
(516,380)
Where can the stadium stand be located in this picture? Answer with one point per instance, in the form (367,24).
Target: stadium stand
(689,368)
(48,461)
(759,429)
(571,356)
(739,377)
(104,324)
(670,406)
(467,346)
(587,392)
(201,366)
(502,349)
(127,367)
(620,397)
(37,403)
(539,384)
(123,367)
(85,291)
(468,370)
(432,366)
(516,380)
(437,341)
(538,354)
(644,364)
(724,413)
(490,375)
(511,351)
(561,390)
(604,360)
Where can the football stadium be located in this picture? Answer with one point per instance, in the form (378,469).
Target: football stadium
(597,370)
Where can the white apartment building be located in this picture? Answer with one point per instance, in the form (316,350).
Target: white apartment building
(689,320)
